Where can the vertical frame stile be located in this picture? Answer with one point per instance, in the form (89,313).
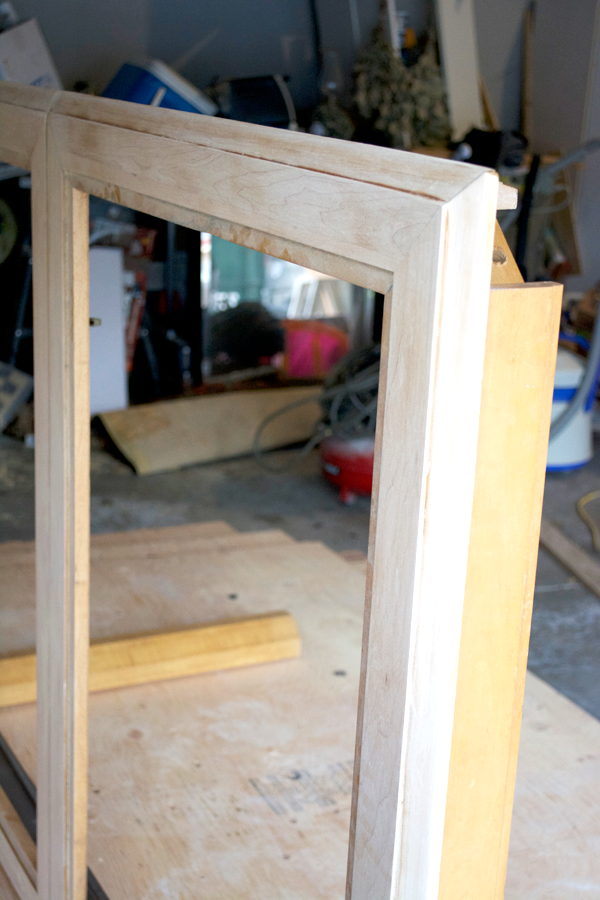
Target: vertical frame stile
(420,527)
(61,339)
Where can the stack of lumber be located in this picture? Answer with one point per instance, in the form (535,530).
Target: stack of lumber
(237,783)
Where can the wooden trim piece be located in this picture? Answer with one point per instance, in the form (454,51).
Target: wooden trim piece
(571,556)
(15,870)
(395,169)
(138,659)
(61,328)
(426,441)
(316,258)
(249,192)
(522,337)
(23,119)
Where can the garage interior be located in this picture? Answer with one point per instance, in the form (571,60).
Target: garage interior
(180,321)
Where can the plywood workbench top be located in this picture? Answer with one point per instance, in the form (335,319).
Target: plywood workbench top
(237,785)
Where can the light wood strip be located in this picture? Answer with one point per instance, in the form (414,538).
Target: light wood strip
(351,270)
(14,869)
(439,179)
(27,96)
(22,119)
(19,129)
(356,220)
(511,460)
(138,659)
(571,556)
(61,326)
(423,490)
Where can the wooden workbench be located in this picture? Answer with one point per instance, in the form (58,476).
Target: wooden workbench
(237,785)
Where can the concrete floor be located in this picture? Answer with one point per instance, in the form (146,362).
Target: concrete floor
(565,639)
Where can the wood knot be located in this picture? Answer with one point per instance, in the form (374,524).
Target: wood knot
(499,256)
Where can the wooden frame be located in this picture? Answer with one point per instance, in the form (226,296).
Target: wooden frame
(421,230)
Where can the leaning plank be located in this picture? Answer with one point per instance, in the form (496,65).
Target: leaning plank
(143,658)
(571,556)
(460,62)
(162,436)
(511,459)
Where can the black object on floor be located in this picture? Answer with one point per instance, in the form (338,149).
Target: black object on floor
(20,790)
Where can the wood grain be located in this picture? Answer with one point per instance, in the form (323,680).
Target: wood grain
(516,401)
(427,452)
(428,222)
(22,121)
(395,169)
(137,659)
(61,326)
(357,219)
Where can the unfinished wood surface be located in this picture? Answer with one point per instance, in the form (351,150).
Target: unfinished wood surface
(396,169)
(133,575)
(426,464)
(504,268)
(61,326)
(240,781)
(509,482)
(24,551)
(571,556)
(185,539)
(158,437)
(250,192)
(22,121)
(138,659)
(7,891)
(555,834)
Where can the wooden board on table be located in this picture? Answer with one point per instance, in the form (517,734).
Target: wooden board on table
(158,656)
(158,437)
